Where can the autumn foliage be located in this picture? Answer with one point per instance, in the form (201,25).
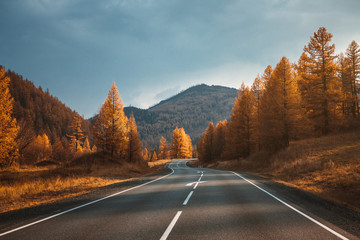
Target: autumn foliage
(8,125)
(316,96)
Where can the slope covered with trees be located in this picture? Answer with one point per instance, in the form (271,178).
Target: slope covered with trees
(191,109)
(48,130)
(314,97)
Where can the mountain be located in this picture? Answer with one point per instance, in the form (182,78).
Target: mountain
(191,109)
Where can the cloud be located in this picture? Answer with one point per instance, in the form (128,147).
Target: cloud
(154,48)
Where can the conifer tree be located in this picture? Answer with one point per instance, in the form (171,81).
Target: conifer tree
(146,154)
(181,144)
(320,89)
(111,125)
(134,145)
(163,149)
(219,140)
(257,90)
(240,134)
(186,146)
(40,149)
(280,108)
(154,157)
(344,76)
(353,60)
(86,146)
(8,126)
(176,143)
(267,75)
(205,144)
(77,134)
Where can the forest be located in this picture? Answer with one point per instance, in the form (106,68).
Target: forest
(316,96)
(38,129)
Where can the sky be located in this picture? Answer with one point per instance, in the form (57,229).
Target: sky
(154,49)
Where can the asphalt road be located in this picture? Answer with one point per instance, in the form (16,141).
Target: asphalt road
(188,203)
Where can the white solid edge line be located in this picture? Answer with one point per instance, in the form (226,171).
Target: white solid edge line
(187,198)
(296,210)
(170,227)
(84,205)
(197,183)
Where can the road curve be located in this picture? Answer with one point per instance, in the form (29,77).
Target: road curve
(188,203)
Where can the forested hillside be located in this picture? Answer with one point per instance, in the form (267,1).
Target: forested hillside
(39,110)
(316,96)
(191,109)
(44,121)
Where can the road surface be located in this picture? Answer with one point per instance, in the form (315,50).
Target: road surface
(188,203)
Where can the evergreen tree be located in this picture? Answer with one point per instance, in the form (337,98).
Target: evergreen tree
(8,126)
(134,145)
(111,125)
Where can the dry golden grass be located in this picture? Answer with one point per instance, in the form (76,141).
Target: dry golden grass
(328,167)
(158,162)
(31,186)
(33,193)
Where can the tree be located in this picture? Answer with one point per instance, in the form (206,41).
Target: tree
(39,150)
(219,139)
(146,155)
(8,126)
(154,157)
(205,144)
(320,90)
(257,90)
(240,132)
(353,60)
(77,134)
(181,144)
(111,125)
(86,146)
(163,149)
(134,145)
(344,76)
(280,108)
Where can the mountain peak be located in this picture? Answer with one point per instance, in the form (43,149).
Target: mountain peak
(191,109)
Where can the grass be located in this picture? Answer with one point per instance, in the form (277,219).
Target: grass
(28,186)
(159,162)
(328,167)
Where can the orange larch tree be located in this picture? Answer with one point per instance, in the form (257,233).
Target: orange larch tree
(280,108)
(8,126)
(163,149)
(134,144)
(205,144)
(353,60)
(240,140)
(111,125)
(320,89)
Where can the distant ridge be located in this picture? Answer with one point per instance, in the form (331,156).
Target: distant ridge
(191,109)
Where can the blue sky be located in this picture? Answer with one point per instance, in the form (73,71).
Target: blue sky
(153,49)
